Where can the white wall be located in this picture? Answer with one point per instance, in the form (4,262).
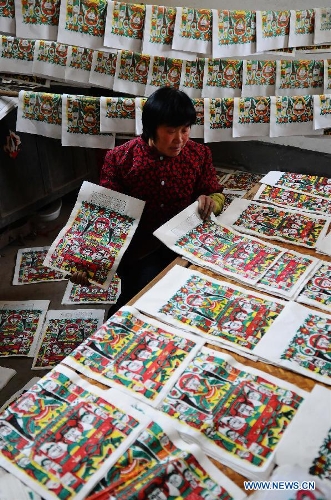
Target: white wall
(314,144)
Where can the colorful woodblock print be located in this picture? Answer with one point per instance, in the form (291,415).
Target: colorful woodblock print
(93,294)
(321,466)
(241,413)
(294,109)
(18,329)
(120,107)
(59,434)
(157,467)
(128,20)
(312,184)
(293,199)
(311,347)
(42,107)
(286,272)
(7,9)
(236,27)
(62,335)
(52,53)
(86,17)
(105,63)
(46,13)
(222,311)
(224,73)
(30,268)
(274,222)
(195,24)
(133,354)
(233,252)
(20,49)
(162,24)
(318,289)
(260,73)
(241,181)
(93,240)
(301,74)
(275,23)
(134,67)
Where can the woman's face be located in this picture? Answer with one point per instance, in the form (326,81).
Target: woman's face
(170,141)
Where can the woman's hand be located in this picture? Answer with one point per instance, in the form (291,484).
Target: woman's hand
(206,206)
(80,278)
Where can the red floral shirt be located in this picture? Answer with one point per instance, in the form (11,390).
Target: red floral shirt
(166,184)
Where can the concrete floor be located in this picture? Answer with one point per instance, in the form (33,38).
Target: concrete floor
(44,234)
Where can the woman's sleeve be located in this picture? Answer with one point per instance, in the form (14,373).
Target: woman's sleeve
(208,179)
(110,176)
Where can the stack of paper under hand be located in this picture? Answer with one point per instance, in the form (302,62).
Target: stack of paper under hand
(307,441)
(237,414)
(245,258)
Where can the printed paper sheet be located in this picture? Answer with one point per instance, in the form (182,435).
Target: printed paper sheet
(302,183)
(103,68)
(29,267)
(117,114)
(124,25)
(222,78)
(21,324)
(77,294)
(81,123)
(322,26)
(162,465)
(7,18)
(300,342)
(82,24)
(286,276)
(310,450)
(62,332)
(50,59)
(235,413)
(287,198)
(39,113)
(193,30)
(158,33)
(272,222)
(259,78)
(37,21)
(62,436)
(234,33)
(272,29)
(97,233)
(217,247)
(223,313)
(139,355)
(317,290)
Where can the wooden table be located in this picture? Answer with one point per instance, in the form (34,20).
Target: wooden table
(284,374)
(301,381)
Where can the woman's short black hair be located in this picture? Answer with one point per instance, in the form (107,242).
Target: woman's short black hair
(166,106)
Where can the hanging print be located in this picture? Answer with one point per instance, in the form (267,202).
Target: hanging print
(259,78)
(193,30)
(234,33)
(222,78)
(82,23)
(39,113)
(272,29)
(37,19)
(124,26)
(7,17)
